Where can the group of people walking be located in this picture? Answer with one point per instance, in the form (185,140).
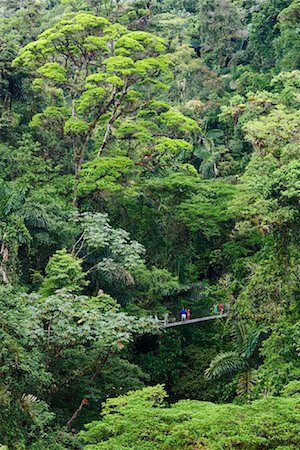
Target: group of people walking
(185,314)
(218,308)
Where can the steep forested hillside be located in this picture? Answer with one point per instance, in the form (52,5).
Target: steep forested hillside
(149,159)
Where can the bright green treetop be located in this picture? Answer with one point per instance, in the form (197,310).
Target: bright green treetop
(95,70)
(63,271)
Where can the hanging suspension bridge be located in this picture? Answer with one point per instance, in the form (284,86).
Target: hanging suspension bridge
(196,320)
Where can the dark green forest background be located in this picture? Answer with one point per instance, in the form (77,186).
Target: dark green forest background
(149,158)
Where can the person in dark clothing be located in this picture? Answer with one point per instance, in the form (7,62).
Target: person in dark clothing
(183,314)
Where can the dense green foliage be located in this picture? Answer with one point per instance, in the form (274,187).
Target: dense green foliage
(149,158)
(140,420)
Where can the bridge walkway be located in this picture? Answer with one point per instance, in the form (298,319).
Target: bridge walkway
(196,320)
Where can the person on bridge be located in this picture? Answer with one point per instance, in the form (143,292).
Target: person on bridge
(221,306)
(188,314)
(183,313)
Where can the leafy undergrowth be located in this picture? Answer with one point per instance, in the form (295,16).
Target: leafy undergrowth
(141,420)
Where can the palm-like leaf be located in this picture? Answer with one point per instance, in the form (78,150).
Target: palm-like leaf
(114,273)
(15,200)
(225,364)
(245,341)
(240,336)
(253,340)
(35,215)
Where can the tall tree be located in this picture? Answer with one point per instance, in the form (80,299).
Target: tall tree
(92,72)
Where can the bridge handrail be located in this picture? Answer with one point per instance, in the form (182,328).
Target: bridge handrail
(196,320)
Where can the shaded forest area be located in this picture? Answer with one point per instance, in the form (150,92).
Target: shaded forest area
(149,159)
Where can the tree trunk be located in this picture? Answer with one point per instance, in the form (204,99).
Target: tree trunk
(105,139)
(4,253)
(84,402)
(78,160)
(113,117)
(79,152)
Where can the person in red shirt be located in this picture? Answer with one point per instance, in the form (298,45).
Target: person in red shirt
(188,315)
(221,306)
